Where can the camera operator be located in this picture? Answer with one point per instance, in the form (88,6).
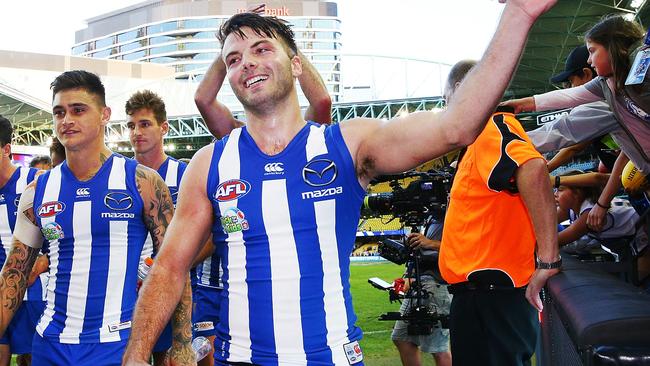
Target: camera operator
(501,215)
(439,299)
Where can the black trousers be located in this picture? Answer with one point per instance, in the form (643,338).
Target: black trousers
(492,327)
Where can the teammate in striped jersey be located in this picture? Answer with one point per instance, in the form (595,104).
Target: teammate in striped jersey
(284,196)
(94,210)
(220,122)
(147,124)
(13,180)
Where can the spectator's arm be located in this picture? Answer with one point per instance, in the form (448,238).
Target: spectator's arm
(312,85)
(597,214)
(565,155)
(576,230)
(591,179)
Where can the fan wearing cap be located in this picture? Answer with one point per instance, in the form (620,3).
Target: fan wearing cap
(576,69)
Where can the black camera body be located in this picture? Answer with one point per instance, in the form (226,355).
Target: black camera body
(423,198)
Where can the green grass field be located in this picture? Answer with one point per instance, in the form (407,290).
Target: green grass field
(369,303)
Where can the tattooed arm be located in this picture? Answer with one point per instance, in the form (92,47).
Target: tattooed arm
(167,283)
(26,244)
(153,314)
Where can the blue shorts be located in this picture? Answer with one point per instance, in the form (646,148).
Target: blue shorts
(205,314)
(21,330)
(48,353)
(165,340)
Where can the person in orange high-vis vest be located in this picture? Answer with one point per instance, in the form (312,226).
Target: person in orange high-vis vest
(501,215)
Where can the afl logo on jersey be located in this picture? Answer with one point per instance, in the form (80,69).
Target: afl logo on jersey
(49,209)
(319,172)
(118,201)
(232,190)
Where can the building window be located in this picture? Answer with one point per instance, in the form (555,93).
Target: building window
(102,54)
(202,23)
(79,49)
(127,36)
(325,23)
(134,55)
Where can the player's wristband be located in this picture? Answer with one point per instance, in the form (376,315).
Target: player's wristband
(605,207)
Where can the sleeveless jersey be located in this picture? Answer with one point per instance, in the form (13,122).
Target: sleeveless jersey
(9,198)
(95,234)
(284,228)
(171,171)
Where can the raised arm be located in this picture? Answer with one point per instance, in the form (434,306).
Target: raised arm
(169,276)
(403,143)
(215,114)
(312,85)
(218,117)
(25,247)
(537,195)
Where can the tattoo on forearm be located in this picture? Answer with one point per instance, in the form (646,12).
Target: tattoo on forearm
(182,327)
(15,275)
(159,206)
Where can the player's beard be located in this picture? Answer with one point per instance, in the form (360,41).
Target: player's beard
(263,102)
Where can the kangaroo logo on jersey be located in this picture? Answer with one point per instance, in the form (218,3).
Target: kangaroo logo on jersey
(319,172)
(118,201)
(232,190)
(49,209)
(52,231)
(233,221)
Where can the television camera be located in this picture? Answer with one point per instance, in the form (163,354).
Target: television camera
(424,198)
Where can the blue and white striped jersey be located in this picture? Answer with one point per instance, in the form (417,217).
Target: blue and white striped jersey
(284,228)
(95,232)
(209,272)
(171,171)
(9,198)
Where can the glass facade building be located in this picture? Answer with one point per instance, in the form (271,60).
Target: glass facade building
(182,34)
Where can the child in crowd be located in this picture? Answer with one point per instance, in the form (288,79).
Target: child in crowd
(609,43)
(574,204)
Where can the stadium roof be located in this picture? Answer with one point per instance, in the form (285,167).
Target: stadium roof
(560,30)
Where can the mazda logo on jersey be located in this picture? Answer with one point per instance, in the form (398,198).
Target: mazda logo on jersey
(118,201)
(49,209)
(319,172)
(232,190)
